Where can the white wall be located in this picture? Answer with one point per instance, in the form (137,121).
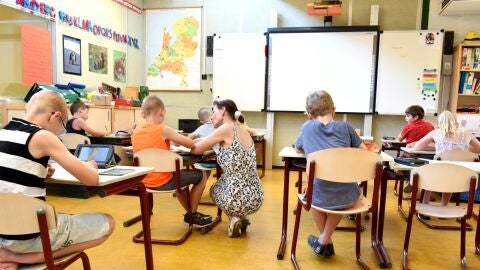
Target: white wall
(459,24)
(107,14)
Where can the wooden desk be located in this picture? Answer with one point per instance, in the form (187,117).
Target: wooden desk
(111,139)
(419,153)
(110,185)
(291,157)
(392,145)
(259,139)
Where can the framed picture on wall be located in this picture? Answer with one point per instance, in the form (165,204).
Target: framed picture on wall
(72,60)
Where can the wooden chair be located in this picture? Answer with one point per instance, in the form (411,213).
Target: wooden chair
(71,140)
(442,178)
(452,155)
(330,165)
(21,214)
(162,161)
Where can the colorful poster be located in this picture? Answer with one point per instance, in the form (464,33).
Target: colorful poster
(97,59)
(173,39)
(72,57)
(36,55)
(119,66)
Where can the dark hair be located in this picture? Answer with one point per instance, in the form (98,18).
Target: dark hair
(241,119)
(77,105)
(415,110)
(229,106)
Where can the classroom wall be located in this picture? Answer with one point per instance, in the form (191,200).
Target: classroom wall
(105,13)
(460,24)
(253,16)
(10,48)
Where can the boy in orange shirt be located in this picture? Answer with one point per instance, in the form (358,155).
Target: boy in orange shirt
(154,134)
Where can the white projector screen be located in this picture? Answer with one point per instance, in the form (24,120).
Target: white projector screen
(340,60)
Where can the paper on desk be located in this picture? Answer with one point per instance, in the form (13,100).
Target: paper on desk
(179,149)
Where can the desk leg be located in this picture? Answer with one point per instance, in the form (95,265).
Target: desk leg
(477,236)
(377,233)
(283,239)
(146,225)
(263,159)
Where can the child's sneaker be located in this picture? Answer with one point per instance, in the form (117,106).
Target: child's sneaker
(235,227)
(197,220)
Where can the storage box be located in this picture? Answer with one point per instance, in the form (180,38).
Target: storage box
(102,99)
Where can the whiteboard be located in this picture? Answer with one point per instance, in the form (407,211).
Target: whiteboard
(239,69)
(409,70)
(341,61)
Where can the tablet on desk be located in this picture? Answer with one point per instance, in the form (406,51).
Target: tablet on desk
(116,172)
(101,153)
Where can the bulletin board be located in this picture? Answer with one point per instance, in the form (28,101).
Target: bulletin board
(409,70)
(239,69)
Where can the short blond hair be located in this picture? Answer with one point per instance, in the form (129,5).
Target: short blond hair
(47,101)
(152,104)
(319,103)
(447,123)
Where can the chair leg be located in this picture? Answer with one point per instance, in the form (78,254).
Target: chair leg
(214,223)
(85,261)
(407,240)
(477,238)
(138,238)
(358,230)
(295,236)
(430,225)
(400,201)
(131,221)
(463,260)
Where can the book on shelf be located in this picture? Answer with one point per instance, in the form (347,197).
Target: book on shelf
(476,58)
(470,59)
(462,82)
(468,83)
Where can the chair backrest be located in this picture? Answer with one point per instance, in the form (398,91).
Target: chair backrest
(458,155)
(443,177)
(161,160)
(71,140)
(344,164)
(18,214)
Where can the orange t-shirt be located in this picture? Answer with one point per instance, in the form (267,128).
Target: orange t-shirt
(150,136)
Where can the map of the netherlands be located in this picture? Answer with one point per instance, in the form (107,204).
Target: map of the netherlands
(173,49)
(171,57)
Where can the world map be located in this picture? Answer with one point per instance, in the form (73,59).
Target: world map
(176,49)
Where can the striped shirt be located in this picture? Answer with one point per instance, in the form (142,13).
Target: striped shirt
(20,172)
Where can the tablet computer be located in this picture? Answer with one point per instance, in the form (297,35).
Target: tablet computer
(101,153)
(117,172)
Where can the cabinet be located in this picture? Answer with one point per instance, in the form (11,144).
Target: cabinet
(123,119)
(465,84)
(100,118)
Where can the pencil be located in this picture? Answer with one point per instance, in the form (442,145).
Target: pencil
(92,155)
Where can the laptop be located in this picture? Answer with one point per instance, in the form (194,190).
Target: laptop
(101,153)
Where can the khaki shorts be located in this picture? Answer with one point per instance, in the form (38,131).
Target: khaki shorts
(70,230)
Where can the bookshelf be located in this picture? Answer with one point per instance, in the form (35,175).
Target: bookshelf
(465,83)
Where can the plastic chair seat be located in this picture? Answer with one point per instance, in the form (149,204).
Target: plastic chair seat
(442,211)
(361,206)
(42,266)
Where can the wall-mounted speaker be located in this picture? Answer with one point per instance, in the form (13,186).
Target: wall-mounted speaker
(448,43)
(209,46)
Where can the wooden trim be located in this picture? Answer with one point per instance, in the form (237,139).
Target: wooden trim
(160,8)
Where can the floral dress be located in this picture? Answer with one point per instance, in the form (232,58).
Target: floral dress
(238,192)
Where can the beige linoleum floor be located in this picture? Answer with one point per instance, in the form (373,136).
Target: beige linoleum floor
(257,249)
